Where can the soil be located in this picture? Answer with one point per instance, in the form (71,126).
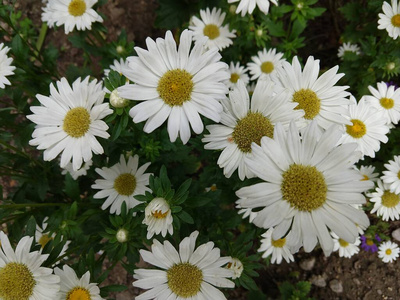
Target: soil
(364,276)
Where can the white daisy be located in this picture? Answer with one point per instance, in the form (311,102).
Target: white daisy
(21,274)
(210,25)
(278,248)
(318,97)
(390,19)
(265,63)
(345,249)
(236,266)
(43,236)
(158,218)
(6,68)
(251,87)
(368,128)
(77,173)
(368,173)
(392,174)
(244,123)
(74,288)
(177,85)
(348,47)
(248,6)
(237,72)
(388,251)
(387,203)
(71,14)
(188,273)
(121,183)
(309,186)
(117,66)
(387,100)
(69,120)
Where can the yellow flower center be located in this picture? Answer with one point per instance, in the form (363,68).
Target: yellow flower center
(211,30)
(390,199)
(308,101)
(234,77)
(125,184)
(304,187)
(357,130)
(386,103)
(77,8)
(76,122)
(158,214)
(267,67)
(16,282)
(396,20)
(251,129)
(398,175)
(369,242)
(175,87)
(78,293)
(44,239)
(365,178)
(184,279)
(278,243)
(343,243)
(388,251)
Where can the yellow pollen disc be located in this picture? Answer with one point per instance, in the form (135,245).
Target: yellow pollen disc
(398,175)
(175,87)
(125,184)
(16,282)
(388,251)
(278,243)
(251,129)
(267,67)
(77,122)
(369,242)
(158,214)
(390,199)
(234,77)
(396,20)
(387,103)
(357,130)
(77,8)
(365,178)
(211,30)
(304,187)
(184,279)
(78,293)
(308,101)
(44,239)
(343,243)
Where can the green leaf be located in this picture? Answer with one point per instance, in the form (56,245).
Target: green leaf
(185,217)
(113,288)
(31,226)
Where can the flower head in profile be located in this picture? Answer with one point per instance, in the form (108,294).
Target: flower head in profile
(6,68)
(277,248)
(388,252)
(69,120)
(178,84)
(75,174)
(21,273)
(368,173)
(71,14)
(348,48)
(190,273)
(248,6)
(237,73)
(390,19)
(211,25)
(265,64)
(392,174)
(43,236)
(121,183)
(370,244)
(386,203)
(158,218)
(345,249)
(236,266)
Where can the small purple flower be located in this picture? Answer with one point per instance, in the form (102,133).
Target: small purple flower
(392,83)
(369,244)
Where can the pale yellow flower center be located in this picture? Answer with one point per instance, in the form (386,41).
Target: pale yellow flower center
(125,184)
(211,30)
(343,243)
(357,130)
(369,242)
(396,20)
(308,101)
(158,214)
(76,122)
(175,87)
(278,243)
(234,77)
(16,282)
(251,129)
(388,251)
(390,199)
(267,67)
(304,187)
(365,178)
(387,103)
(44,239)
(77,8)
(184,279)
(78,293)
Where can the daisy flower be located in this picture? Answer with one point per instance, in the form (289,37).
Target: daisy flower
(369,244)
(317,96)
(43,236)
(5,66)
(71,14)
(176,84)
(236,266)
(346,48)
(244,123)
(21,274)
(121,183)
(368,128)
(248,6)
(117,66)
(210,25)
(69,120)
(392,174)
(278,248)
(387,204)
(158,218)
(309,184)
(388,251)
(237,72)
(75,174)
(387,100)
(73,287)
(265,63)
(345,249)
(188,273)
(368,173)
(390,19)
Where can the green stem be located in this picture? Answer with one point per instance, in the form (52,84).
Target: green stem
(42,36)
(22,205)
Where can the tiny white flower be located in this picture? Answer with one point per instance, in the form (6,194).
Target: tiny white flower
(236,266)
(390,19)
(265,63)
(248,6)
(345,249)
(277,247)
(388,251)
(392,174)
(348,47)
(237,72)
(77,173)
(122,235)
(158,218)
(387,203)
(6,68)
(368,173)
